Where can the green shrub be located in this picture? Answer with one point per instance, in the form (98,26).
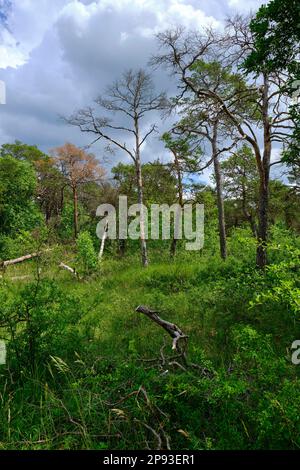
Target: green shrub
(86,255)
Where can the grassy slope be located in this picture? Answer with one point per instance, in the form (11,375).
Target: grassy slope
(207,299)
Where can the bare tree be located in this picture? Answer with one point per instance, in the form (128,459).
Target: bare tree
(266,113)
(78,167)
(131,98)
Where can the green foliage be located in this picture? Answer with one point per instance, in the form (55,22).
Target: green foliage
(86,387)
(158,183)
(66,229)
(281,284)
(276,37)
(12,247)
(18,210)
(227,82)
(40,319)
(86,255)
(23,152)
(276,34)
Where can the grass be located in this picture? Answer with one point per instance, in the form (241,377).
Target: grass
(96,386)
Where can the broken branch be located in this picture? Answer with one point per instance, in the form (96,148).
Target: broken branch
(173,330)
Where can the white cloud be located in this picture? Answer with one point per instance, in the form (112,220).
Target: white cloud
(10,54)
(64,52)
(245,5)
(26,27)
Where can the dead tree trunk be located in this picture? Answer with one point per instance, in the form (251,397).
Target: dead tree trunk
(19,260)
(104,237)
(68,268)
(4,264)
(139,178)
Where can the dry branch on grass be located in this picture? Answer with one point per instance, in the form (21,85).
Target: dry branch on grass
(10,262)
(173,330)
(179,344)
(180,340)
(68,268)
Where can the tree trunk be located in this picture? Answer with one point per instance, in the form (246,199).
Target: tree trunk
(4,264)
(220,200)
(138,165)
(249,217)
(62,200)
(75,203)
(263,205)
(121,248)
(173,247)
(104,237)
(261,252)
(180,201)
(144,255)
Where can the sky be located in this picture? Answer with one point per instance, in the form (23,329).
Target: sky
(56,56)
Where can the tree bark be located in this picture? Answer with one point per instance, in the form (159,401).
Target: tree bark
(263,205)
(249,217)
(19,260)
(138,165)
(75,204)
(180,201)
(261,252)
(68,268)
(173,330)
(104,237)
(220,199)
(10,262)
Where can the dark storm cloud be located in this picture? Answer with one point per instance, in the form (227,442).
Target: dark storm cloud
(69,50)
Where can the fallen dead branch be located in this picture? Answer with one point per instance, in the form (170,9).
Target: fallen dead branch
(68,268)
(176,334)
(173,330)
(179,344)
(9,262)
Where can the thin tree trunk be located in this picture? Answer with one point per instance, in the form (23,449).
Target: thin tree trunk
(144,255)
(122,248)
(62,200)
(261,252)
(249,217)
(263,205)
(253,225)
(220,200)
(180,201)
(173,247)
(104,237)
(75,203)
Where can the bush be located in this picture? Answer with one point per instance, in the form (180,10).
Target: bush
(38,321)
(86,255)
